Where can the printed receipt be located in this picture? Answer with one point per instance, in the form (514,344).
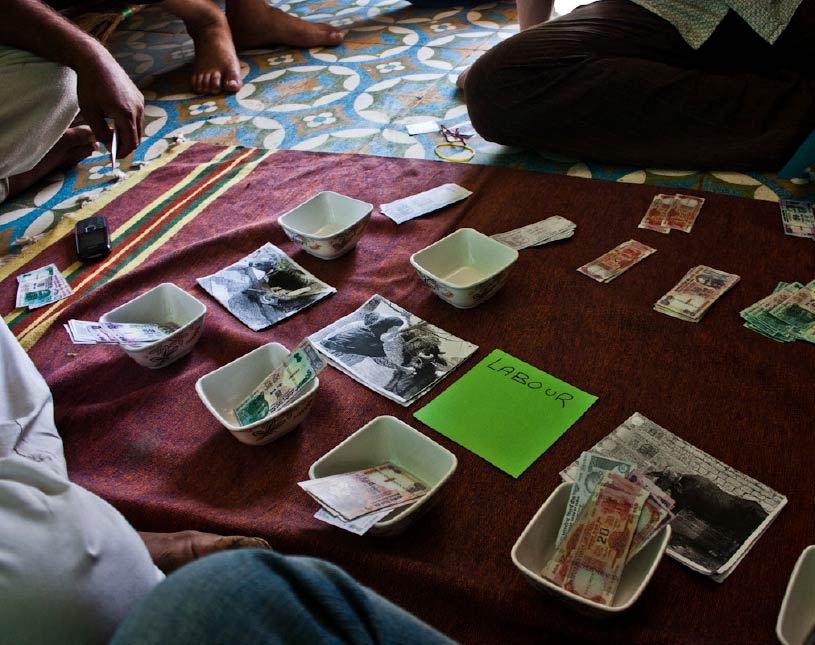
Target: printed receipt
(409,207)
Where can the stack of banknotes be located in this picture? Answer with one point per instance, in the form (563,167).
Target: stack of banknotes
(281,386)
(357,500)
(551,229)
(612,513)
(667,212)
(85,332)
(787,314)
(798,218)
(695,293)
(41,287)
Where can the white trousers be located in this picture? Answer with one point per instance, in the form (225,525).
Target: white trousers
(37,104)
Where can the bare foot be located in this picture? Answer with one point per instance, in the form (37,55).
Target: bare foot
(216,68)
(76,144)
(255,24)
(171,551)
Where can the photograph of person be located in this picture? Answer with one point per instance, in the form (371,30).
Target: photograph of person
(390,350)
(265,287)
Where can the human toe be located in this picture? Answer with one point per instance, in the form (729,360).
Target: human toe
(214,86)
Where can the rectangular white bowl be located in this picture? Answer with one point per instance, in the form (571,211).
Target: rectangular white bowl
(222,389)
(465,268)
(796,620)
(328,225)
(163,303)
(537,544)
(384,439)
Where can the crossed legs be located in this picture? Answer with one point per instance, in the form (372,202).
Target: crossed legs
(612,82)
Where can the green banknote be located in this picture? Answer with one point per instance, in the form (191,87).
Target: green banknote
(786,314)
(279,387)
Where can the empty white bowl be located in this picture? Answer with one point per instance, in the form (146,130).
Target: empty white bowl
(796,620)
(537,544)
(162,304)
(222,389)
(465,268)
(386,439)
(328,225)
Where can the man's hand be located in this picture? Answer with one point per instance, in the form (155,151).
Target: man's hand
(104,91)
(171,551)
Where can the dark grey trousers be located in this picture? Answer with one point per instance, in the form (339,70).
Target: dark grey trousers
(612,82)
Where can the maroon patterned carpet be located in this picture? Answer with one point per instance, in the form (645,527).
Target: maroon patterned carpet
(144,441)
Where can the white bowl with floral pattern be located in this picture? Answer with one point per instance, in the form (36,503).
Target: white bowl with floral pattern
(465,268)
(388,439)
(166,303)
(328,225)
(537,543)
(224,388)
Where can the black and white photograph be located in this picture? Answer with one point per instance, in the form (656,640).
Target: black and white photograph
(390,350)
(265,287)
(720,512)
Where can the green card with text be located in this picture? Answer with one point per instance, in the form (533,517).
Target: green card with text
(506,411)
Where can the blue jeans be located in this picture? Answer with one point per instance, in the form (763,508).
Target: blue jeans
(257,596)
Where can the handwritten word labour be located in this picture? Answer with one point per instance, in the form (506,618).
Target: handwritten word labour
(525,379)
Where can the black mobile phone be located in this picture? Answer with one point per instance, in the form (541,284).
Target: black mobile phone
(92,240)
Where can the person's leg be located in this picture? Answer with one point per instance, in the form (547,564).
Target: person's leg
(247,24)
(215,68)
(265,597)
(255,24)
(612,82)
(37,105)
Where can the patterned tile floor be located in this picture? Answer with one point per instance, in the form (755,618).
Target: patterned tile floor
(398,65)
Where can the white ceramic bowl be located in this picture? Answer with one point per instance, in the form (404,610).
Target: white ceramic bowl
(537,543)
(328,225)
(222,389)
(465,268)
(386,439)
(164,303)
(796,620)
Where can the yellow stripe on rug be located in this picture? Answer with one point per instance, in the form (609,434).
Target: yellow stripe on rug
(32,332)
(67,222)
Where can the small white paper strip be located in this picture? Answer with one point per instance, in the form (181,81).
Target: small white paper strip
(423,127)
(407,208)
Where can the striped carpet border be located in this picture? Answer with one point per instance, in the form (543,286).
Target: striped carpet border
(142,235)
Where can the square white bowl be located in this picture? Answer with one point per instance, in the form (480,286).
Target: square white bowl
(796,620)
(161,304)
(536,545)
(328,225)
(384,439)
(465,268)
(222,389)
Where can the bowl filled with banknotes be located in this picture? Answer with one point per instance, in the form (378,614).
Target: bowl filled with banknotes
(166,306)
(386,445)
(594,581)
(465,268)
(328,225)
(262,395)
